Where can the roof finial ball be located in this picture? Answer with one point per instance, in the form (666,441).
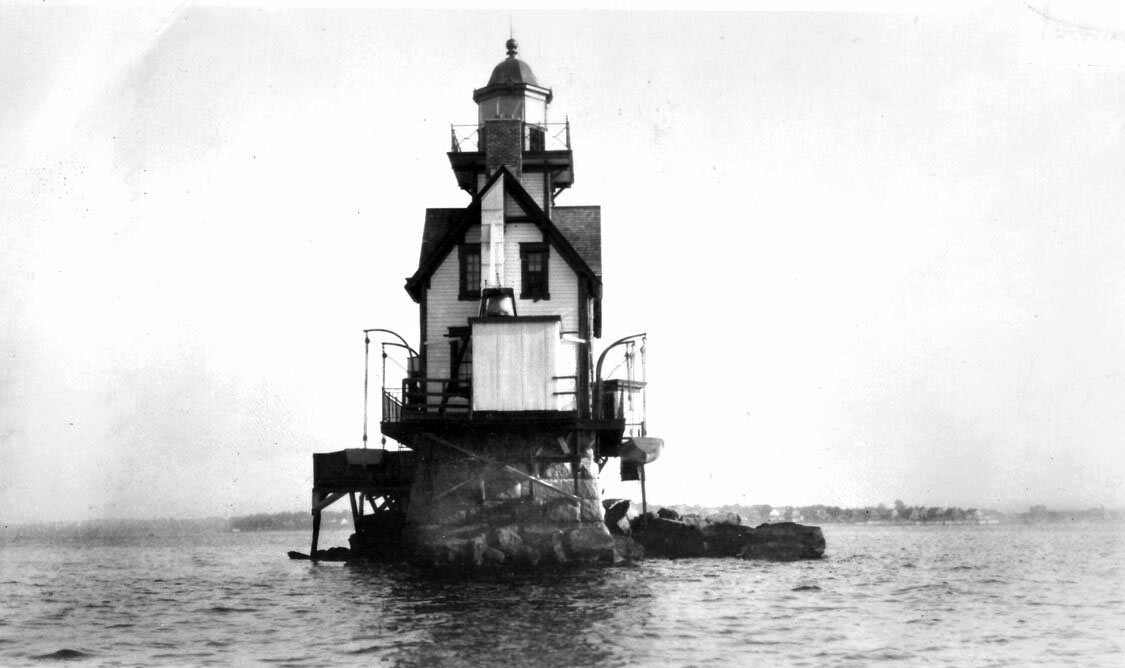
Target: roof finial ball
(512,45)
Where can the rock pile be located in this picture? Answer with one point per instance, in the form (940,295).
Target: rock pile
(331,554)
(666,534)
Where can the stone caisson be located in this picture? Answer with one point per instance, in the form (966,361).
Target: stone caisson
(506,514)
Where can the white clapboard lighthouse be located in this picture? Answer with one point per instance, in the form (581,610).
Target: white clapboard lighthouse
(503,418)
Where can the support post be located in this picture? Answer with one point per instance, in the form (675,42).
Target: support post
(574,466)
(644,496)
(316,534)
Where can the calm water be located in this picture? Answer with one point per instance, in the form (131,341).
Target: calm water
(975,596)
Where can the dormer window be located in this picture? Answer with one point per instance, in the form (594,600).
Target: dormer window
(470,271)
(533,271)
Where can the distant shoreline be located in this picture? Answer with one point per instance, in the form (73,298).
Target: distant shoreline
(750,515)
(900,513)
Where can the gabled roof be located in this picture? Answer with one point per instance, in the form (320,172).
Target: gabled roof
(576,233)
(582,226)
(438,224)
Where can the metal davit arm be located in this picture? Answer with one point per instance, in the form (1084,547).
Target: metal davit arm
(406,345)
(366,367)
(598,370)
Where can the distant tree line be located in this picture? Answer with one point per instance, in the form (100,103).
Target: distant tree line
(752,515)
(301,520)
(116,529)
(899,513)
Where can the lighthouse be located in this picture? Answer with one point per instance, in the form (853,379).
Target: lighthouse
(501,420)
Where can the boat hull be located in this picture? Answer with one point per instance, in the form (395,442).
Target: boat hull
(641,449)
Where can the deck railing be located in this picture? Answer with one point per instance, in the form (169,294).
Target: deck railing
(536,137)
(566,392)
(428,396)
(392,405)
(421,398)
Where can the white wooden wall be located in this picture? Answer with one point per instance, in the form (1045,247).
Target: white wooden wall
(514,364)
(444,309)
(532,182)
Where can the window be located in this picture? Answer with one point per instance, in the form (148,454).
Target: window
(470,271)
(533,270)
(536,139)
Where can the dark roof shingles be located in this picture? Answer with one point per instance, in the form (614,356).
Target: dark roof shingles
(580,225)
(438,224)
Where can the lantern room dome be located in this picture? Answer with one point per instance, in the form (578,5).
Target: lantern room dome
(512,70)
(512,77)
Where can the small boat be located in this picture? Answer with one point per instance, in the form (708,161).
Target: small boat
(641,449)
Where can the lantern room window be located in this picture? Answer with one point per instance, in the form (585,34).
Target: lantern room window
(470,271)
(533,271)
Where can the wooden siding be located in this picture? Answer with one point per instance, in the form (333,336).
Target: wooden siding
(562,285)
(532,182)
(511,208)
(514,364)
(445,310)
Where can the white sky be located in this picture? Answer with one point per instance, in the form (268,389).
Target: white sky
(878,256)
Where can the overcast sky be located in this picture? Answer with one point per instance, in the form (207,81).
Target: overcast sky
(878,256)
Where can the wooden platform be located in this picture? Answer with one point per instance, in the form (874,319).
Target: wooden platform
(353,471)
(376,482)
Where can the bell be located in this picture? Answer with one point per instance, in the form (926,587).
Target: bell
(497,302)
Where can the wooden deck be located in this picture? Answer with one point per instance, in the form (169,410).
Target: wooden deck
(369,471)
(376,482)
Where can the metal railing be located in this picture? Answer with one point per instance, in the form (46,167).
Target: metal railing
(465,138)
(536,137)
(453,397)
(566,392)
(428,396)
(392,405)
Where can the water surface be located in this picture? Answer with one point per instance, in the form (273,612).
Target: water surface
(980,596)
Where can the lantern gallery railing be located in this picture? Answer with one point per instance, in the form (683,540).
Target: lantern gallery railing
(536,137)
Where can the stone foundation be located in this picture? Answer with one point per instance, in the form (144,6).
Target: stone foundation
(520,545)
(467,511)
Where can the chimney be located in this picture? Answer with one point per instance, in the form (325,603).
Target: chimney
(503,145)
